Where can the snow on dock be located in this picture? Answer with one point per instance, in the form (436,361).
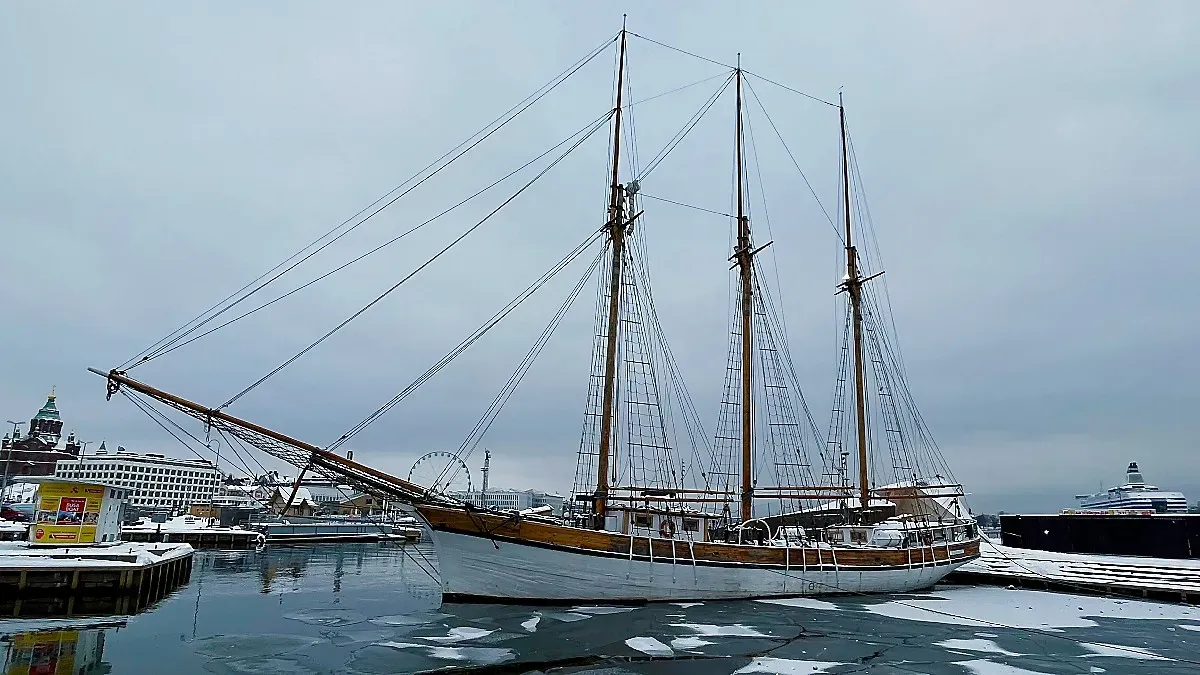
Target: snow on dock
(1170,579)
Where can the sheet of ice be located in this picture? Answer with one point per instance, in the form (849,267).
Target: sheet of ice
(531,624)
(600,610)
(986,635)
(689,643)
(806,603)
(986,606)
(567,617)
(460,634)
(1187,626)
(480,655)
(985,646)
(1121,651)
(984,667)
(408,619)
(327,616)
(685,605)
(649,646)
(767,664)
(711,630)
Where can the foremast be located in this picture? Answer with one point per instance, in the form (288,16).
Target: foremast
(744,257)
(852,285)
(616,234)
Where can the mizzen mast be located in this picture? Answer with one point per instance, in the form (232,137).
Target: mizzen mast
(745,258)
(616,234)
(852,284)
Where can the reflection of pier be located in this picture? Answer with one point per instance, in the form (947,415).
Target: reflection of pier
(76,651)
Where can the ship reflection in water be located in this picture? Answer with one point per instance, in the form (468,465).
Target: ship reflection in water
(370,608)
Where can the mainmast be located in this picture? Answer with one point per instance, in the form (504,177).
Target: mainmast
(616,233)
(853,287)
(744,262)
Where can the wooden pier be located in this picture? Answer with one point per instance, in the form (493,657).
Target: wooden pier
(1163,579)
(118,579)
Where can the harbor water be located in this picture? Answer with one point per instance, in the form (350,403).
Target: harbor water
(372,608)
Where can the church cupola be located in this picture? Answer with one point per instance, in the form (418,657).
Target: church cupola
(46,425)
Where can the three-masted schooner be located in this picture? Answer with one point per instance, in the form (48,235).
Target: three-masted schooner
(636,532)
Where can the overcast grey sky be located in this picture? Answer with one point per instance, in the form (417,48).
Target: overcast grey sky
(1030,167)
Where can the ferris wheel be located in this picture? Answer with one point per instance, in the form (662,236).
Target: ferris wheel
(441,473)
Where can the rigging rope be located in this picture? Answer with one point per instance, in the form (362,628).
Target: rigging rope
(475,437)
(423,265)
(468,341)
(682,133)
(522,106)
(794,162)
(164,351)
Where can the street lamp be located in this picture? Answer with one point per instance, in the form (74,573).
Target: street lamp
(8,459)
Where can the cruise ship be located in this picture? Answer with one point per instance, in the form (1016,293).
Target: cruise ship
(1134,494)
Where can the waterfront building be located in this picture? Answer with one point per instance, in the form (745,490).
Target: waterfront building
(155,482)
(285,503)
(512,500)
(42,446)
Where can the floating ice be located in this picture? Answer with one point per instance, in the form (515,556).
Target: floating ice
(685,605)
(767,664)
(986,646)
(991,607)
(1101,649)
(806,603)
(248,646)
(408,619)
(481,655)
(983,667)
(327,617)
(1189,627)
(460,634)
(650,646)
(531,624)
(688,643)
(600,610)
(568,617)
(710,630)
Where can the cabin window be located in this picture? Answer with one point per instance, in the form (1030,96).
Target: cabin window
(837,535)
(858,537)
(939,536)
(691,524)
(641,520)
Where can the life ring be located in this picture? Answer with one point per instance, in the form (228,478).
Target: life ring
(667,529)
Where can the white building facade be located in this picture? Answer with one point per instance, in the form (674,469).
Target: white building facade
(512,500)
(154,481)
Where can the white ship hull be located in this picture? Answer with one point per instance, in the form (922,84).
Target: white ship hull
(480,568)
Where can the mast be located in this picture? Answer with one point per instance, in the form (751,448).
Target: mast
(853,285)
(744,259)
(616,233)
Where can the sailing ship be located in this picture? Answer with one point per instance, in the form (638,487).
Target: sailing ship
(776,509)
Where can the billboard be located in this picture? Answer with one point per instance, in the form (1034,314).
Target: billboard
(67,513)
